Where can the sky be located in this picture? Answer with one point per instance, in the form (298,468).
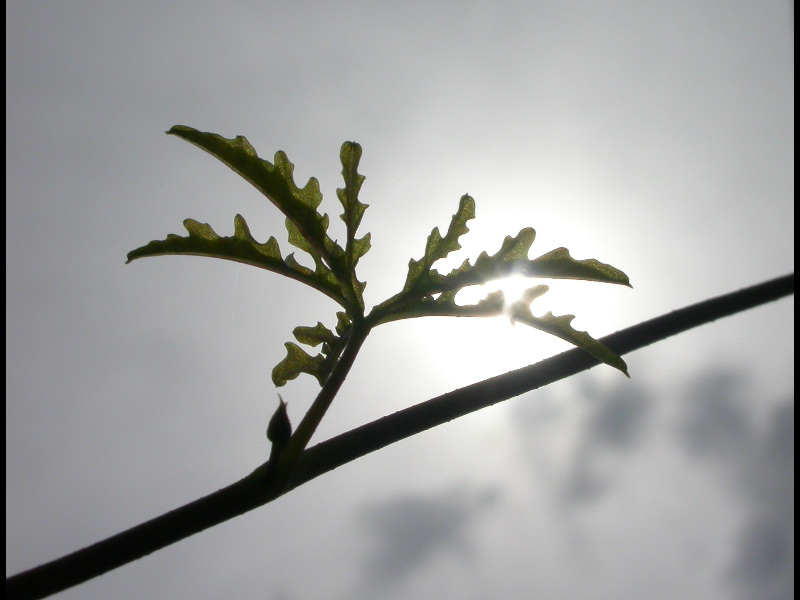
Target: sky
(654,136)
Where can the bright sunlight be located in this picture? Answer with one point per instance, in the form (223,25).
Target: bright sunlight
(484,347)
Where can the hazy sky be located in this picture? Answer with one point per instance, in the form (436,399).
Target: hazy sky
(655,136)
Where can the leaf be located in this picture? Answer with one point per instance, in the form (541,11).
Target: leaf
(355,248)
(276,182)
(418,284)
(512,259)
(297,361)
(439,247)
(512,252)
(314,336)
(241,247)
(561,327)
(494,304)
(423,282)
(350,156)
(445,306)
(559,264)
(298,240)
(343,323)
(428,293)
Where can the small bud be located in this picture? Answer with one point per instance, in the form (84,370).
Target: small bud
(279,429)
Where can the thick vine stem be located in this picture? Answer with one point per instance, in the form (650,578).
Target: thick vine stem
(251,491)
(358,442)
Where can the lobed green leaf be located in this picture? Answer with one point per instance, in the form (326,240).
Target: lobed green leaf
(512,259)
(494,304)
(429,293)
(314,336)
(444,305)
(513,252)
(241,247)
(276,182)
(562,327)
(343,323)
(559,264)
(438,247)
(353,212)
(350,155)
(297,361)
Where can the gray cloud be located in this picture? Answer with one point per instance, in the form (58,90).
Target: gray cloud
(617,416)
(407,532)
(615,421)
(719,425)
(764,562)
(713,422)
(743,444)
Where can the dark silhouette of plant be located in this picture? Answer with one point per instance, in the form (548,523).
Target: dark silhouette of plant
(426,292)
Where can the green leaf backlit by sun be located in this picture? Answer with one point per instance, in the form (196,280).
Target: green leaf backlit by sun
(332,269)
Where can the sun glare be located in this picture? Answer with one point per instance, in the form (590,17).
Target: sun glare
(479,348)
(512,287)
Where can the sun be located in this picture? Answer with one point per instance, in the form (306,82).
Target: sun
(473,349)
(465,350)
(513,288)
(479,348)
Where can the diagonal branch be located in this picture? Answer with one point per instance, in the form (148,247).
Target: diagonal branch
(385,431)
(254,490)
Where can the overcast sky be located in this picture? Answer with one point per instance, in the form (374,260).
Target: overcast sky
(655,136)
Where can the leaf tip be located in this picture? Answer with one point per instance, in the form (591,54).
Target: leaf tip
(134,254)
(351,147)
(618,363)
(178,129)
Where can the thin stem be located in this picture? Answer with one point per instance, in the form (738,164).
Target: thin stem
(251,492)
(311,420)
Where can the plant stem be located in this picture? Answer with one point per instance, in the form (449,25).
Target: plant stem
(251,492)
(358,442)
(311,420)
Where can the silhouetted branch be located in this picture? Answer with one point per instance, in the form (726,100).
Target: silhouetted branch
(256,489)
